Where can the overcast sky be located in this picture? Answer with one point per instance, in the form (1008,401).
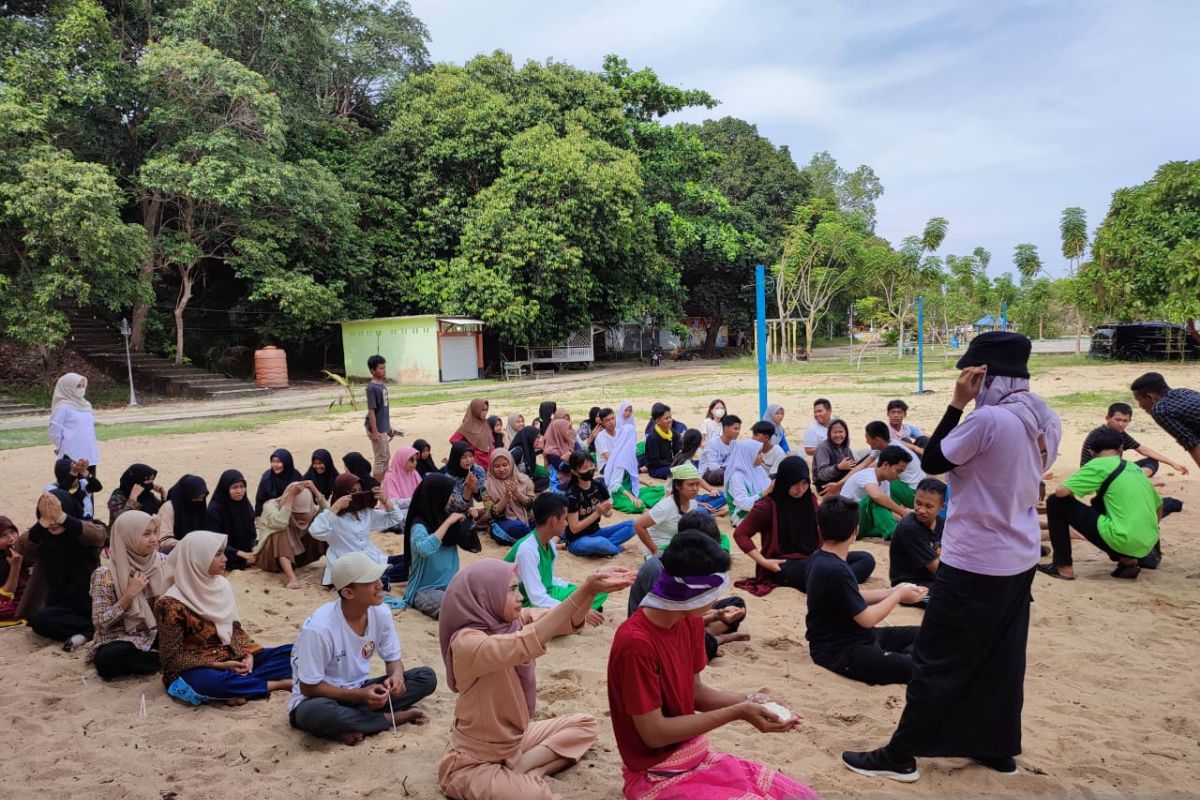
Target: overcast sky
(995,115)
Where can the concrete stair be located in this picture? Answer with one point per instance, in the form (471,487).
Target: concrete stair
(12,408)
(100,342)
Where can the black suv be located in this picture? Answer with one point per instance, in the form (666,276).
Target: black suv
(1143,341)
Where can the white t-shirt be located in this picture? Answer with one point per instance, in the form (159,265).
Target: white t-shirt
(814,434)
(604,442)
(666,518)
(771,459)
(913,474)
(715,454)
(328,651)
(855,487)
(711,429)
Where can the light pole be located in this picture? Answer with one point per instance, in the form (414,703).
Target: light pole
(125,332)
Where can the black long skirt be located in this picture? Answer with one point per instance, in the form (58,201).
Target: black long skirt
(968,684)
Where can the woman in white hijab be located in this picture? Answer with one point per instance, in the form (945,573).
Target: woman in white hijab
(126,638)
(745,479)
(72,423)
(206,655)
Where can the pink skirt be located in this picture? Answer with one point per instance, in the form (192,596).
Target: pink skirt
(696,772)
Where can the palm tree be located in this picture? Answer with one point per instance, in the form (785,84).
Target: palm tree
(1073,228)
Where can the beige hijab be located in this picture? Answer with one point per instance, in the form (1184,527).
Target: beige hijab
(209,596)
(126,531)
(495,486)
(67,391)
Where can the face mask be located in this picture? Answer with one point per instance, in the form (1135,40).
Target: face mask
(586,476)
(718,413)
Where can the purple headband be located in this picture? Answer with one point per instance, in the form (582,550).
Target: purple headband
(684,593)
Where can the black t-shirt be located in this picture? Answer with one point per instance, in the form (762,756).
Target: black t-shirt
(583,502)
(833,602)
(1127,443)
(912,547)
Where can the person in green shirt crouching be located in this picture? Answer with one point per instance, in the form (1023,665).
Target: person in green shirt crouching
(1122,519)
(534,555)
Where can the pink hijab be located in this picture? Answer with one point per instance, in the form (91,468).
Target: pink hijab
(400,482)
(475,599)
(560,438)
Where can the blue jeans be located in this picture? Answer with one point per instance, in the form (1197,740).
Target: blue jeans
(270,664)
(508,531)
(604,542)
(717,501)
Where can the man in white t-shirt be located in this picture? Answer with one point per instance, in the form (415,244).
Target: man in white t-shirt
(871,489)
(772,454)
(903,489)
(818,431)
(332,693)
(715,454)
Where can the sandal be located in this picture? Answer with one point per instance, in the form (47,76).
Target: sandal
(1128,572)
(1052,571)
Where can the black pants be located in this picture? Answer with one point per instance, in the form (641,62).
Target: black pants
(886,660)
(1064,513)
(116,659)
(710,641)
(329,719)
(60,624)
(795,572)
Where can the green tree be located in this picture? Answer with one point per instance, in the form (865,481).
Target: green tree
(849,191)
(1072,229)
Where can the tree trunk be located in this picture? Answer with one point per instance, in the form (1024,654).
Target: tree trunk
(1041,328)
(151,212)
(710,337)
(185,294)
(808,338)
(900,343)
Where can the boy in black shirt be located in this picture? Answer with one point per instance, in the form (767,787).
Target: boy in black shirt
(841,620)
(1118,418)
(917,542)
(587,501)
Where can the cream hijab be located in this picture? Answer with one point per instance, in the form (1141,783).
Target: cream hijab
(209,596)
(67,391)
(125,560)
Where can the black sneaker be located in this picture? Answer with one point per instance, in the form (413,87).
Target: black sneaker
(878,764)
(1004,766)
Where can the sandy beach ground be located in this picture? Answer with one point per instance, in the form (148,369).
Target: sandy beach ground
(1112,697)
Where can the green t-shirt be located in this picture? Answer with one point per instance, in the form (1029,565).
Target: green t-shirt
(1131,524)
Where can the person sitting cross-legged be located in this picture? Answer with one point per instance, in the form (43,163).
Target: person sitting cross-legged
(331,693)
(1124,521)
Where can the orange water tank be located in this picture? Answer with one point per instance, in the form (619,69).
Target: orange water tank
(270,367)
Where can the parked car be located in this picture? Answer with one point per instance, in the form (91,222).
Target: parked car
(1143,341)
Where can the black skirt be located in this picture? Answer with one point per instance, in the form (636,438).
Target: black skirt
(968,684)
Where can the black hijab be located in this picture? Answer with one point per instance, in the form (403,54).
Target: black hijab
(235,520)
(523,453)
(145,475)
(189,512)
(497,438)
(457,451)
(357,465)
(270,485)
(428,507)
(425,464)
(324,481)
(689,444)
(796,531)
(546,414)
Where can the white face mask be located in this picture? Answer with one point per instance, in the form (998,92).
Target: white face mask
(718,412)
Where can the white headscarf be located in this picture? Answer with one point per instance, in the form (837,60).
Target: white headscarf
(622,460)
(67,391)
(1039,419)
(209,596)
(741,464)
(621,416)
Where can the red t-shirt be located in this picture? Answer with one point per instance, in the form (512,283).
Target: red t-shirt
(651,667)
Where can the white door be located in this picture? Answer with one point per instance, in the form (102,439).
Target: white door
(458,358)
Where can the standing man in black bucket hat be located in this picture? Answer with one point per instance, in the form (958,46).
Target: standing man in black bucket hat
(967,688)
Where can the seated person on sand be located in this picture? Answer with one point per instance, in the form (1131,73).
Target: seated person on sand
(721,623)
(746,481)
(587,502)
(772,454)
(870,489)
(715,455)
(834,457)
(14,575)
(123,595)
(489,644)
(507,498)
(74,478)
(902,488)
(333,694)
(67,552)
(206,655)
(663,442)
(230,512)
(901,431)
(183,511)
(785,520)
(710,498)
(842,620)
(137,490)
(1122,519)
(347,524)
(284,527)
(433,533)
(914,551)
(661,709)
(656,526)
(535,555)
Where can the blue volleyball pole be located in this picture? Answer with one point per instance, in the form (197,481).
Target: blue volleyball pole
(920,345)
(1004,315)
(760,335)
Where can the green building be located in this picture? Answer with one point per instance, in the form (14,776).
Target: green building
(428,348)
